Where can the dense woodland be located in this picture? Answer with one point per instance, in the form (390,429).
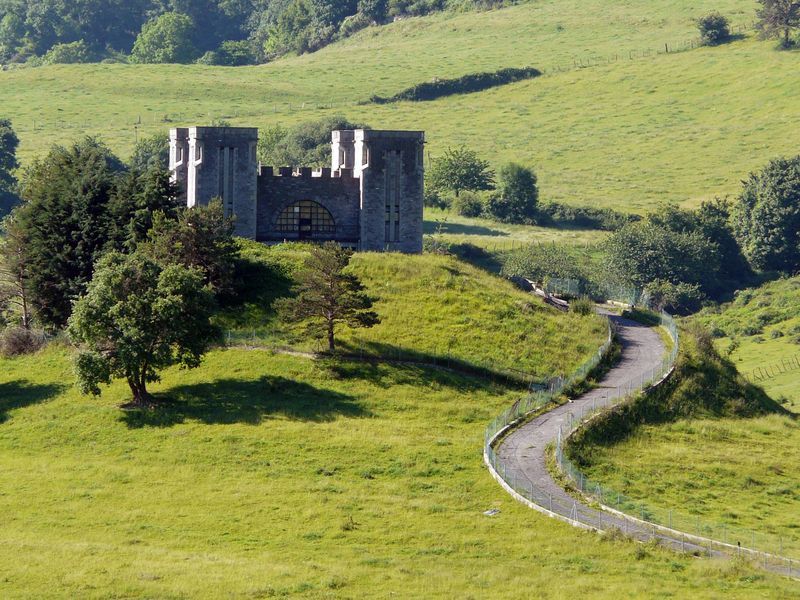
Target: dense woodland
(225,32)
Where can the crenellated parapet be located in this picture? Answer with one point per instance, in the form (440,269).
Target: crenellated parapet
(370,197)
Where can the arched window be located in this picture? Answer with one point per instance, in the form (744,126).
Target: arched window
(306,219)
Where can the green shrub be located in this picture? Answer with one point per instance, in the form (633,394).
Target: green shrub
(582,306)
(466,84)
(583,217)
(68,54)
(675,298)
(17,341)
(714,28)
(433,199)
(469,204)
(229,54)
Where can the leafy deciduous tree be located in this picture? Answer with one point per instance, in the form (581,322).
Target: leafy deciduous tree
(767,216)
(151,153)
(307,144)
(516,196)
(778,18)
(460,169)
(327,296)
(166,39)
(137,318)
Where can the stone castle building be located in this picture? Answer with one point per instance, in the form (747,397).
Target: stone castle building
(369,199)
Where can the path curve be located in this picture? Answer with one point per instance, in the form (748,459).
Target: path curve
(522,453)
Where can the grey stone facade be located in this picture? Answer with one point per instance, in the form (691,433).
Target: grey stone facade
(371,198)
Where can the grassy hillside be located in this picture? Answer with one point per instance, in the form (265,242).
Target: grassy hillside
(680,126)
(275,476)
(744,472)
(765,324)
(268,475)
(434,308)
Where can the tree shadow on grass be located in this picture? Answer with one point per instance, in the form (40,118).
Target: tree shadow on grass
(22,393)
(228,401)
(431,227)
(384,364)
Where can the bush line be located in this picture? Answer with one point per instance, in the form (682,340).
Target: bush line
(466,84)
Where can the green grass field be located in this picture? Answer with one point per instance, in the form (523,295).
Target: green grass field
(765,324)
(494,236)
(267,475)
(744,472)
(433,308)
(274,476)
(676,127)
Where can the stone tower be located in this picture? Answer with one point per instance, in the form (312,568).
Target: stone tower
(391,170)
(218,162)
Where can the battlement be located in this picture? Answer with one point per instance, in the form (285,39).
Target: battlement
(306,173)
(222,134)
(370,197)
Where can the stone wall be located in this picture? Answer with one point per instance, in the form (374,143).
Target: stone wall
(392,177)
(338,192)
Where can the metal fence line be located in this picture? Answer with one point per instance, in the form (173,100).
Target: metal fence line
(645,523)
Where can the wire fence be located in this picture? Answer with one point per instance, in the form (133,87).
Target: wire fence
(767,372)
(767,547)
(680,531)
(538,399)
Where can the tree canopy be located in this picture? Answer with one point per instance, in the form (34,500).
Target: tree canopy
(78,30)
(9,142)
(767,216)
(138,317)
(306,144)
(81,202)
(778,18)
(516,196)
(165,39)
(460,169)
(326,296)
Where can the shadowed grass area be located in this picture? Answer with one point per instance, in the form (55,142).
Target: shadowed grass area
(433,308)
(227,401)
(22,393)
(377,492)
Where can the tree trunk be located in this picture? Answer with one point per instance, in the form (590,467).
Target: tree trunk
(26,316)
(141,397)
(331,340)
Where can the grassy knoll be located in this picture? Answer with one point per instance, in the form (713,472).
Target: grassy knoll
(277,476)
(433,308)
(682,126)
(744,472)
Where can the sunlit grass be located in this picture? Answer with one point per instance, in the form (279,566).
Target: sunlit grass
(277,476)
(741,473)
(676,127)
